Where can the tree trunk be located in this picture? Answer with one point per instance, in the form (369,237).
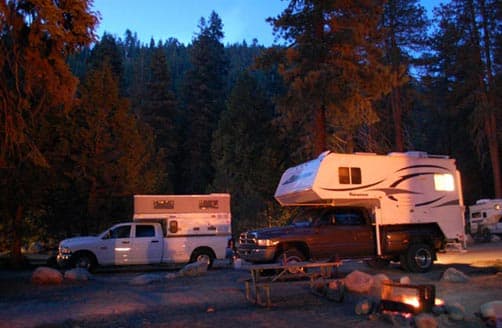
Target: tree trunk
(493,146)
(17,238)
(397,115)
(320,130)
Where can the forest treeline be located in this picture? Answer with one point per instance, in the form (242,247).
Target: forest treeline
(86,122)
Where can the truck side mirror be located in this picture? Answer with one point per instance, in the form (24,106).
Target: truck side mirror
(173,226)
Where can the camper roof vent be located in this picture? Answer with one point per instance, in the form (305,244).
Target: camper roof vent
(418,154)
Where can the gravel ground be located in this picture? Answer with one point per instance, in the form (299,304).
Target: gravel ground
(216,299)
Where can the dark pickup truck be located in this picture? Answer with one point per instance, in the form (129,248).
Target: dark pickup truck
(337,233)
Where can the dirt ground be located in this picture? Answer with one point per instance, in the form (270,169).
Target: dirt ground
(217,299)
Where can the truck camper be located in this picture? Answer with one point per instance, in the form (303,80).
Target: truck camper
(401,206)
(166,229)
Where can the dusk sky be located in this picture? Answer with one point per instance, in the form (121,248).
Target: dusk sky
(163,19)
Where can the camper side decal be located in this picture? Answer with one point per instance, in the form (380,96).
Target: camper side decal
(393,190)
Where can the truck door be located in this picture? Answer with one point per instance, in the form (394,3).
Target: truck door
(146,245)
(115,246)
(344,232)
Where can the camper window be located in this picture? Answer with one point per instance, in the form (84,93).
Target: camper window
(173,226)
(349,175)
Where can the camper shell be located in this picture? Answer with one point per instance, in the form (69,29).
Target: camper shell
(398,188)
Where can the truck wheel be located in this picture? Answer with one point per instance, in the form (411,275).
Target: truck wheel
(420,258)
(202,256)
(291,255)
(84,261)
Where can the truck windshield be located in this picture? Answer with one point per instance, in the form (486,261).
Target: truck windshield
(305,217)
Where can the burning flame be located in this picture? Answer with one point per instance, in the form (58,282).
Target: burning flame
(411,300)
(438,302)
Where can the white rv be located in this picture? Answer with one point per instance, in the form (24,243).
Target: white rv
(166,229)
(485,218)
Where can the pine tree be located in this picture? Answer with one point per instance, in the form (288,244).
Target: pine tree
(333,69)
(159,111)
(245,153)
(111,157)
(406,26)
(35,40)
(464,44)
(204,99)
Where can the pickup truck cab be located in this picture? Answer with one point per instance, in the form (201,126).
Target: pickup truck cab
(132,243)
(345,232)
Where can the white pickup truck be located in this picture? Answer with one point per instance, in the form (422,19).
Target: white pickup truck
(167,229)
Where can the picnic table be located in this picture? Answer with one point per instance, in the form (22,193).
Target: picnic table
(263,276)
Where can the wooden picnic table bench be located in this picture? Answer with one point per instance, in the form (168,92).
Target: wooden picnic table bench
(265,275)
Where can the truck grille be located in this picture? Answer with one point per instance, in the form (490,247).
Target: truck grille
(247,238)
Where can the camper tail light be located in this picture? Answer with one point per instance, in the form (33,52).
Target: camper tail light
(266,242)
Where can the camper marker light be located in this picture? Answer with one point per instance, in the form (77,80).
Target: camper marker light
(444,182)
(266,242)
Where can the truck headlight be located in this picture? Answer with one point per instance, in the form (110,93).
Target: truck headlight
(64,250)
(266,242)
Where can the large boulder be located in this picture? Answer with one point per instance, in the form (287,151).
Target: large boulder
(359,282)
(378,281)
(46,276)
(193,269)
(80,274)
(454,275)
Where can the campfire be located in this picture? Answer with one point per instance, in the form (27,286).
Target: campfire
(408,299)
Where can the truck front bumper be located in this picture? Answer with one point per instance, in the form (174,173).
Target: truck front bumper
(64,260)
(265,254)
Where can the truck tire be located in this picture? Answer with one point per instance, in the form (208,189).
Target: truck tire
(203,255)
(84,260)
(291,255)
(419,258)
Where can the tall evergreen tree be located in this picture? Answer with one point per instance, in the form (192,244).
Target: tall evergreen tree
(333,69)
(406,24)
(159,111)
(465,53)
(204,99)
(35,39)
(246,153)
(111,157)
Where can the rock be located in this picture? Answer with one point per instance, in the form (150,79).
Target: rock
(364,307)
(193,269)
(170,275)
(426,320)
(335,291)
(491,311)
(144,279)
(494,238)
(80,274)
(319,286)
(376,287)
(456,312)
(454,275)
(358,282)
(46,276)
(405,280)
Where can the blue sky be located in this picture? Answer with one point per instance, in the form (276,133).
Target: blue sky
(163,19)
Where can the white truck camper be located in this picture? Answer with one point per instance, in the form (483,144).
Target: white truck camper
(398,188)
(485,218)
(189,222)
(166,229)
